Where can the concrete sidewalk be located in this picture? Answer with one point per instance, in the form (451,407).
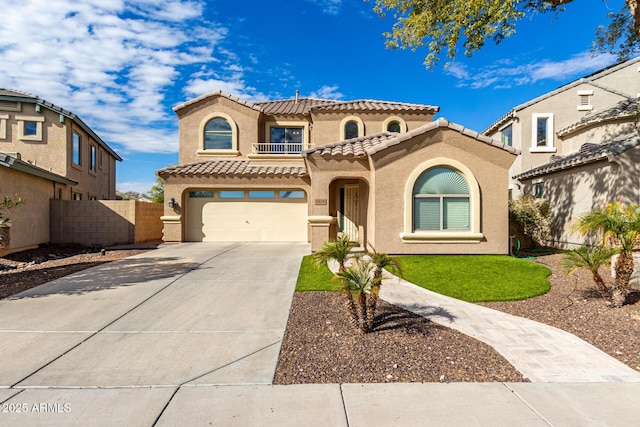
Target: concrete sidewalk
(190,334)
(540,352)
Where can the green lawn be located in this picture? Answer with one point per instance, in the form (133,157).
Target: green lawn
(472,278)
(312,278)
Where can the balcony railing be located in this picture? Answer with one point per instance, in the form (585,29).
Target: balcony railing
(278,148)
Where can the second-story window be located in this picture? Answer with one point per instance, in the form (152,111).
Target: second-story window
(218,135)
(286,134)
(77,147)
(92,158)
(393,126)
(542,133)
(506,135)
(351,129)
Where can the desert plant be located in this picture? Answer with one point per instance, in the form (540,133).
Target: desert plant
(6,205)
(357,281)
(382,261)
(621,225)
(590,258)
(338,250)
(532,217)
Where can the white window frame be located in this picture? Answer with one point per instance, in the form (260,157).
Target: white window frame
(233,151)
(344,122)
(510,124)
(472,235)
(21,123)
(3,125)
(549,146)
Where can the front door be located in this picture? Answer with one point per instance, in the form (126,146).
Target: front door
(349,211)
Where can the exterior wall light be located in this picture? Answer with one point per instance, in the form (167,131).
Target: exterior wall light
(171,203)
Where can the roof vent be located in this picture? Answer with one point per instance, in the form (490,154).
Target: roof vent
(588,147)
(297,96)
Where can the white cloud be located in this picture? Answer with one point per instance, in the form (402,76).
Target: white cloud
(327,92)
(505,74)
(332,7)
(110,62)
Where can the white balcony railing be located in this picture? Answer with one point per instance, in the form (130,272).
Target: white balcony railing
(277,148)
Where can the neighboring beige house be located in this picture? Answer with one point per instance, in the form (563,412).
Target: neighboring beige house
(307,170)
(47,152)
(579,146)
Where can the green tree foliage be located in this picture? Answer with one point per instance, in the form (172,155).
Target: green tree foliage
(443,25)
(156,193)
(532,217)
(591,258)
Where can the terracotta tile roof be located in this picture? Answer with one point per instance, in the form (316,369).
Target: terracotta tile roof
(623,109)
(373,105)
(368,145)
(588,153)
(291,106)
(306,105)
(216,93)
(230,167)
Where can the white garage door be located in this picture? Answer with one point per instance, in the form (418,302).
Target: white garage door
(246,215)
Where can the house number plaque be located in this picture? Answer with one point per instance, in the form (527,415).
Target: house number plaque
(320,202)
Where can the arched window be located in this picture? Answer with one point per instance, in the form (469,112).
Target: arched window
(218,134)
(393,126)
(441,201)
(351,129)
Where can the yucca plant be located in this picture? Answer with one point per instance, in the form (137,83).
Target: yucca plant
(382,261)
(621,225)
(591,258)
(338,250)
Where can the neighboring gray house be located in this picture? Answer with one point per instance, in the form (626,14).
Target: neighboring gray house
(579,146)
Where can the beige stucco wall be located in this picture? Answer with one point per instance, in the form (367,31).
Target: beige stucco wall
(382,182)
(53,151)
(489,166)
(30,221)
(327,129)
(575,191)
(193,118)
(104,222)
(595,134)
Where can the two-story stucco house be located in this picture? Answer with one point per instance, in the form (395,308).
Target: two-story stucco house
(306,170)
(579,146)
(47,152)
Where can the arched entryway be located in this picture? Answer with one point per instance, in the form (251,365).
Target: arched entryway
(349,204)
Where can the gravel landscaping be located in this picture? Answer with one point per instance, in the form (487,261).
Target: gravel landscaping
(320,346)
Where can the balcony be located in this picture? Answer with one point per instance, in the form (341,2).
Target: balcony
(278,148)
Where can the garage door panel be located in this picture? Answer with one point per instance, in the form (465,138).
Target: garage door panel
(228,221)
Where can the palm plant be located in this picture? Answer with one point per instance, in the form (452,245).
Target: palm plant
(338,250)
(358,280)
(590,258)
(622,226)
(381,261)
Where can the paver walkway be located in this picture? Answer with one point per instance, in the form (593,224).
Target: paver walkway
(540,352)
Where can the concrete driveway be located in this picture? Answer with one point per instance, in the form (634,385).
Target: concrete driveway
(189,314)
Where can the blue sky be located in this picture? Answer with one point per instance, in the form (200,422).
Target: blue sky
(122,65)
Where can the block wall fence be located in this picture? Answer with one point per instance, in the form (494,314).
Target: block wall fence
(104,222)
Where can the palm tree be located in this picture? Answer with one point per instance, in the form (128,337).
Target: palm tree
(338,250)
(358,280)
(381,261)
(591,258)
(622,226)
